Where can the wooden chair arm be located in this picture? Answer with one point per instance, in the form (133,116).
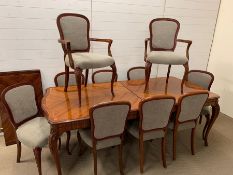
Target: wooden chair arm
(109,41)
(189,42)
(67,47)
(146,44)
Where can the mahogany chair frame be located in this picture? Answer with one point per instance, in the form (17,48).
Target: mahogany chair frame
(133,68)
(177,122)
(101,71)
(68,51)
(149,65)
(210,84)
(36,150)
(142,131)
(95,140)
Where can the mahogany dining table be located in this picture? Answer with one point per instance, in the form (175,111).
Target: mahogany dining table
(64,113)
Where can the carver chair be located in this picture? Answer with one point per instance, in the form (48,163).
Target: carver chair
(154,114)
(74,37)
(136,73)
(205,80)
(102,76)
(32,129)
(189,108)
(163,41)
(107,128)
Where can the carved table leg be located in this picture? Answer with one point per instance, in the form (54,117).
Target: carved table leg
(53,138)
(215,113)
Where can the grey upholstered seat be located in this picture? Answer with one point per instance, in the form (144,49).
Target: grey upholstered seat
(167,58)
(88,60)
(34,133)
(136,73)
(87,138)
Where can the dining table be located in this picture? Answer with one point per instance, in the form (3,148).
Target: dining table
(64,113)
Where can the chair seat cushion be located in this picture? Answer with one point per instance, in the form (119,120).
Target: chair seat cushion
(134,131)
(207,110)
(34,133)
(86,60)
(182,126)
(166,57)
(87,138)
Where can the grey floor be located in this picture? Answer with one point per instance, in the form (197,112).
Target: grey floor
(215,159)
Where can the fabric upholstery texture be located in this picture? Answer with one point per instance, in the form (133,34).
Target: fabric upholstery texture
(75,30)
(191,107)
(200,79)
(133,129)
(182,126)
(137,74)
(109,120)
(86,60)
(87,138)
(207,110)
(22,103)
(156,113)
(34,133)
(61,80)
(163,34)
(166,57)
(103,77)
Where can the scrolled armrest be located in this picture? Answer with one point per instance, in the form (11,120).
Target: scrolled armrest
(189,42)
(109,41)
(66,46)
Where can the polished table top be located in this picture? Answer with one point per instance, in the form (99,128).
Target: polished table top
(61,107)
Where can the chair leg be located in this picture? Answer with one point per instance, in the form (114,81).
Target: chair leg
(206,124)
(186,67)
(174,143)
(168,73)
(163,150)
(86,77)
(147,74)
(192,141)
(37,153)
(200,119)
(18,151)
(141,154)
(66,78)
(95,160)
(78,75)
(120,148)
(68,142)
(114,75)
(59,143)
(79,143)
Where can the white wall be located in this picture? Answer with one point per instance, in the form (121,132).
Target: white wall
(28,32)
(221,61)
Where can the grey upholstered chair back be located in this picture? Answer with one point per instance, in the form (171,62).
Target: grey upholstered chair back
(136,73)
(110,120)
(61,80)
(156,113)
(164,33)
(201,78)
(102,76)
(191,106)
(22,103)
(76,30)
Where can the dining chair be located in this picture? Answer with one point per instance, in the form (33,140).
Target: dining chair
(154,114)
(205,80)
(31,128)
(163,41)
(74,37)
(102,76)
(59,81)
(107,128)
(189,109)
(136,73)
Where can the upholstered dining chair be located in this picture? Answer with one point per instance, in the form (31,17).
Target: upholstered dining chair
(205,80)
(154,114)
(102,76)
(32,129)
(74,37)
(136,73)
(189,109)
(163,41)
(59,80)
(107,128)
